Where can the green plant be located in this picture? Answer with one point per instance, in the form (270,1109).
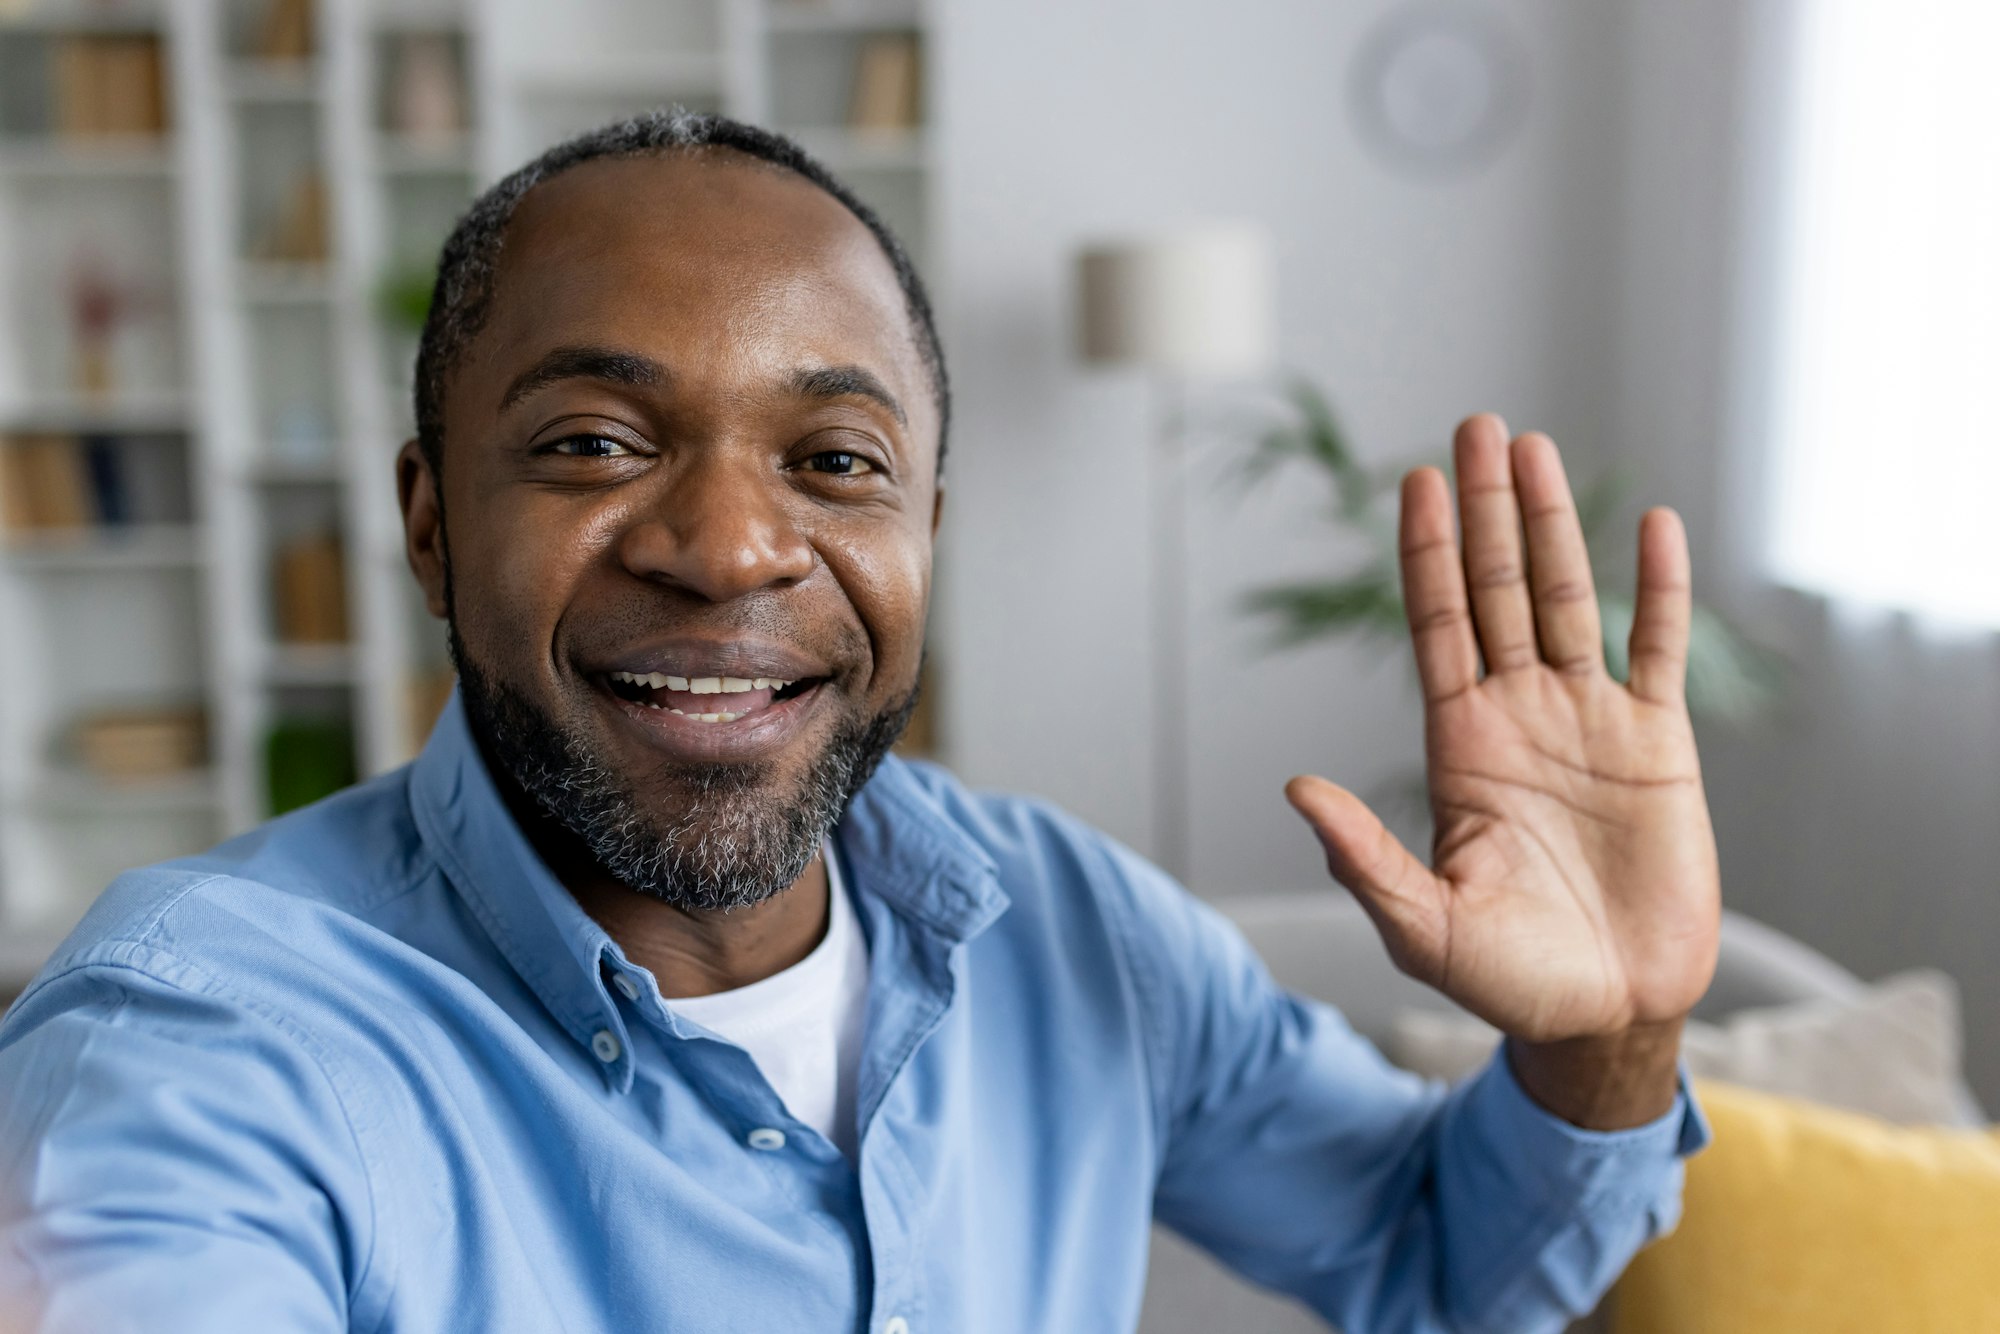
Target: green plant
(1730,677)
(404,294)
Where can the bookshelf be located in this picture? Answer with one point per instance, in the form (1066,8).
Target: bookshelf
(203,603)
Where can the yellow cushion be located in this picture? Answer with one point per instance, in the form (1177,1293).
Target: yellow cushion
(1801,1218)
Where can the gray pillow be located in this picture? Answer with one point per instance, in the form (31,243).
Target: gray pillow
(1893,1050)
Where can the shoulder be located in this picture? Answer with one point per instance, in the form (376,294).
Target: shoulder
(1061,873)
(1011,828)
(1045,857)
(1096,931)
(260,906)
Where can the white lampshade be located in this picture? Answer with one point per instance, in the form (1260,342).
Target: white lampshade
(1197,302)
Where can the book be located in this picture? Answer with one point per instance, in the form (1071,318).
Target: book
(286,32)
(887,84)
(113,84)
(45,483)
(310,583)
(298,234)
(108,493)
(134,85)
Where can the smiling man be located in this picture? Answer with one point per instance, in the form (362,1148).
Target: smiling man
(656,995)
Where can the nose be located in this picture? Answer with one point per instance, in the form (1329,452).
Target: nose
(720,530)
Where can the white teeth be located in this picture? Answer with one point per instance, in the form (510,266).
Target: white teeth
(700,685)
(704,717)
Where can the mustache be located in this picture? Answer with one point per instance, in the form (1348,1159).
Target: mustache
(768,617)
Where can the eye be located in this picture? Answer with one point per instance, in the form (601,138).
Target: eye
(840,463)
(588,447)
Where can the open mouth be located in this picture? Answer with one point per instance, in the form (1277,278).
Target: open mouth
(706,699)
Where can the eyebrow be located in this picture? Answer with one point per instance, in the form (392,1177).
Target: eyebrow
(846,381)
(585,363)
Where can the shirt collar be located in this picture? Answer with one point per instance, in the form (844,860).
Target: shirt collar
(904,847)
(899,843)
(555,946)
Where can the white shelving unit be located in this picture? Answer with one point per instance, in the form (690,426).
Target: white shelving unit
(273,393)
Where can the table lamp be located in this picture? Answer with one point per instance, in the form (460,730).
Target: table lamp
(1188,307)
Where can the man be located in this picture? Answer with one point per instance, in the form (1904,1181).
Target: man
(655,995)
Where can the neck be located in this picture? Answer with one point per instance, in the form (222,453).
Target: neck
(688,951)
(693,953)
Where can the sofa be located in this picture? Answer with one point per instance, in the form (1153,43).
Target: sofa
(1323,945)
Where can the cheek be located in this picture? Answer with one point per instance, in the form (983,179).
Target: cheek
(887,578)
(522,569)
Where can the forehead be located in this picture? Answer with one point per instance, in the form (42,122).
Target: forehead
(705,259)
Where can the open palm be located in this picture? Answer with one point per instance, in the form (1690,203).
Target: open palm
(1573,888)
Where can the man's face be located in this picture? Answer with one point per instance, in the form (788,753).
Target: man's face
(689,491)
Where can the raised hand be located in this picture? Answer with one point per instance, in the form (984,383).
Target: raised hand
(1572,895)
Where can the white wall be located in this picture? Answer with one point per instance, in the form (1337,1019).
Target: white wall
(1581,283)
(1415,301)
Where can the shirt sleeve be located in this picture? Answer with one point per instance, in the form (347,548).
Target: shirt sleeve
(171,1159)
(1297,1155)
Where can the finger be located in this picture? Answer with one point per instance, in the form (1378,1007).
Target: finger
(1490,519)
(1665,607)
(1401,895)
(1434,589)
(1565,599)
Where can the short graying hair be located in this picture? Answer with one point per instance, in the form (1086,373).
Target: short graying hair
(462,298)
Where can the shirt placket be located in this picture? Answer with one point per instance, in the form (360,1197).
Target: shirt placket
(895,1196)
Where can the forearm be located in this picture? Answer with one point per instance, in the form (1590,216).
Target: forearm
(1603,1083)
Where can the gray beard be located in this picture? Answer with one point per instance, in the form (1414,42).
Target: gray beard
(733,841)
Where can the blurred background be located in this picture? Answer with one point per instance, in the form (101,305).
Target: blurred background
(1734,257)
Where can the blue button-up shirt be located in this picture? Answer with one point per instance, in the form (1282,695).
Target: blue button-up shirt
(371,1068)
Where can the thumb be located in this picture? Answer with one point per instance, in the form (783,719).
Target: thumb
(1405,901)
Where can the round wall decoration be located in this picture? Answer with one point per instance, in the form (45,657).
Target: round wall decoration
(1439,88)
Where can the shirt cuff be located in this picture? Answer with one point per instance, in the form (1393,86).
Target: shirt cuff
(1570,1160)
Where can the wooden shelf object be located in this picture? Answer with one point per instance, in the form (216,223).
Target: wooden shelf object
(143,547)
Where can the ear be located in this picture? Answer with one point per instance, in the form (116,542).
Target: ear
(937,508)
(423,523)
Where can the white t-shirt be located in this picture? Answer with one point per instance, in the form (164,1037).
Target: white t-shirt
(803,1026)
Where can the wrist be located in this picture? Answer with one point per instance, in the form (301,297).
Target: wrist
(1610,1081)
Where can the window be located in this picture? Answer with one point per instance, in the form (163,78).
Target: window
(1886,482)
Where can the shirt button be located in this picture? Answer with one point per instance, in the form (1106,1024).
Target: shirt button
(626,986)
(896,1325)
(604,1045)
(765,1137)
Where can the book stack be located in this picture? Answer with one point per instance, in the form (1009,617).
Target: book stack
(62,482)
(109,85)
(128,745)
(888,93)
(54,482)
